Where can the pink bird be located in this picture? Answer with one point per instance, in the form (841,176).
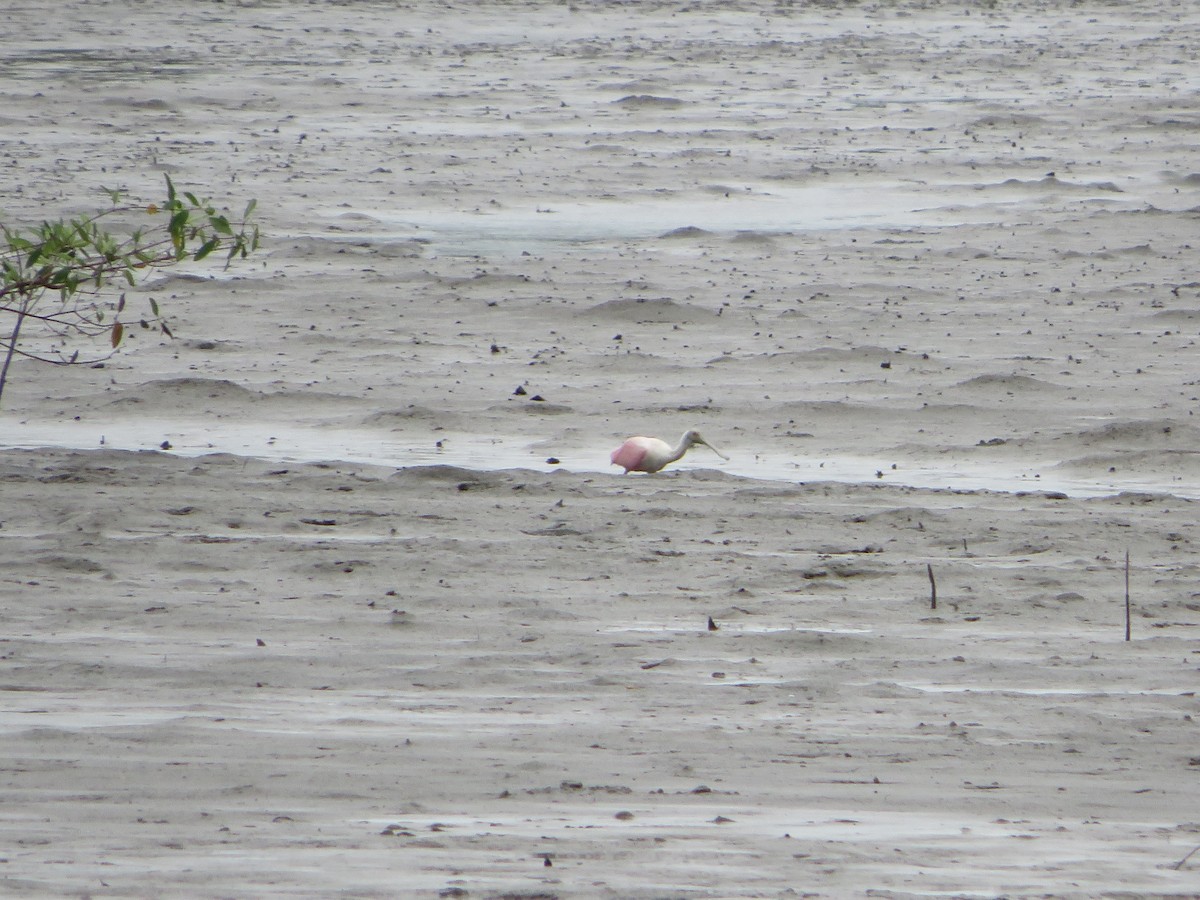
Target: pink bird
(647,454)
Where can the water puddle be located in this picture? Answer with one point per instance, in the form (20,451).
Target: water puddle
(273,442)
(778,211)
(702,216)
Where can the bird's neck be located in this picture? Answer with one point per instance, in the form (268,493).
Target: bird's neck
(681,448)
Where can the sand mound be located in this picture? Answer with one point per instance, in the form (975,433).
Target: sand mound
(172,394)
(1008,384)
(648,101)
(1139,435)
(643,310)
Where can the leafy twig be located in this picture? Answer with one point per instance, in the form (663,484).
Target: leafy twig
(57,275)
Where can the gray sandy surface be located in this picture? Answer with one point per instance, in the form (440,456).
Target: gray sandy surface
(379,623)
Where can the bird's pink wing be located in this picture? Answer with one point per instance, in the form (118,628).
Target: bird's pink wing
(629,455)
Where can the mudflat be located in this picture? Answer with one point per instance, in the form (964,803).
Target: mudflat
(337,594)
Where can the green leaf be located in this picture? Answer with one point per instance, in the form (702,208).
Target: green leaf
(154,307)
(220,225)
(170,189)
(206,248)
(249,209)
(176,230)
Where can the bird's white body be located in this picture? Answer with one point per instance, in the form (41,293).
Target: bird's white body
(647,454)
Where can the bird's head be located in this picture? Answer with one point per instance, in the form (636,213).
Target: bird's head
(693,437)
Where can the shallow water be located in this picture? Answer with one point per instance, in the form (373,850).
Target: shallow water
(489,453)
(765,210)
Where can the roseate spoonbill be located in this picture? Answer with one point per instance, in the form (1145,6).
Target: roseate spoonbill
(647,454)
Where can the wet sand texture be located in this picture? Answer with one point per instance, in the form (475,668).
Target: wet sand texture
(925,272)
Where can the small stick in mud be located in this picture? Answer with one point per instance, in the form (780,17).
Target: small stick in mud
(1179,865)
(1128,622)
(932,587)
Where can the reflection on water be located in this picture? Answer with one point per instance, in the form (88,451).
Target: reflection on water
(490,453)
